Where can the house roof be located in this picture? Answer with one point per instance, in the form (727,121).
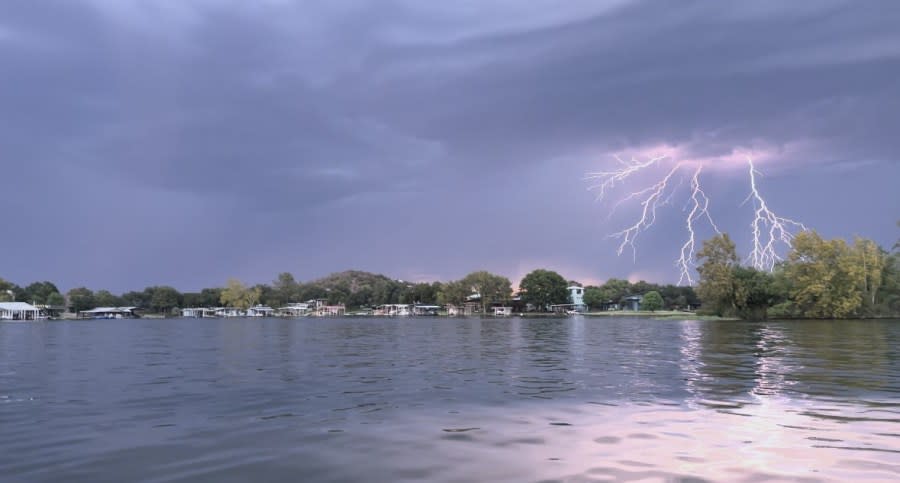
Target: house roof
(16,306)
(104,310)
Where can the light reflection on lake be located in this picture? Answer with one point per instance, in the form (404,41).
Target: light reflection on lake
(575,399)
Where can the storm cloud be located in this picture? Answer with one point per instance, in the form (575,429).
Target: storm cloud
(183,142)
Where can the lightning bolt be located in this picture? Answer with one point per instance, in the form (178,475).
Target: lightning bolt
(768,229)
(653,200)
(699,209)
(608,179)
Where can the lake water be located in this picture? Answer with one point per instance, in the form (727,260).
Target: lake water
(437,399)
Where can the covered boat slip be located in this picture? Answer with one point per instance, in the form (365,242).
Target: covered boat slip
(19,311)
(108,313)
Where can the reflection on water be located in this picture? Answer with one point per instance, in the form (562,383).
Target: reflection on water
(574,399)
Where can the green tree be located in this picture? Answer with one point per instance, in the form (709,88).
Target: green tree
(888,300)
(191,299)
(717,259)
(103,298)
(164,299)
(615,289)
(492,288)
(37,292)
(454,293)
(826,277)
(753,293)
(284,290)
(80,299)
(543,288)
(56,300)
(239,296)
(7,291)
(652,301)
(872,259)
(209,297)
(593,297)
(136,299)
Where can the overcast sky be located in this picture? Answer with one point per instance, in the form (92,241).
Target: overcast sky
(183,142)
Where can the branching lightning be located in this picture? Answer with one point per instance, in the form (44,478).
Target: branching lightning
(699,209)
(650,204)
(768,228)
(770,232)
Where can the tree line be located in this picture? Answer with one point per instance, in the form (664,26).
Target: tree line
(819,278)
(540,289)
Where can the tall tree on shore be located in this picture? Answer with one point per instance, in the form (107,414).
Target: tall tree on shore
(37,292)
(7,291)
(284,290)
(542,288)
(492,288)
(717,258)
(453,293)
(104,298)
(872,259)
(826,277)
(165,299)
(80,299)
(593,297)
(56,299)
(652,301)
(753,293)
(615,289)
(237,295)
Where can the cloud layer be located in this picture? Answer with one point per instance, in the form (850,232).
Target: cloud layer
(185,142)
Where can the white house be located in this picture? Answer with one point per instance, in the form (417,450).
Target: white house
(198,312)
(109,313)
(19,311)
(228,312)
(260,311)
(331,311)
(576,297)
(296,310)
(393,309)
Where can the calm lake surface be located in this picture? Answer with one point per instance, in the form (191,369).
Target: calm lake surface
(437,399)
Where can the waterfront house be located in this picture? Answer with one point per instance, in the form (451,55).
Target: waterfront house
(420,309)
(198,313)
(502,311)
(228,312)
(109,313)
(632,302)
(331,310)
(19,311)
(576,297)
(260,311)
(301,309)
(393,309)
(51,311)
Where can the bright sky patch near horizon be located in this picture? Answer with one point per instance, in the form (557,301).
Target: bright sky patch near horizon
(185,142)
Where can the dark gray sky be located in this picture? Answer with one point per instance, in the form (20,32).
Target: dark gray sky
(183,142)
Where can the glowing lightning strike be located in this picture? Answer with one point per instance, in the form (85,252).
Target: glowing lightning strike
(699,209)
(608,179)
(769,231)
(648,213)
(764,255)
